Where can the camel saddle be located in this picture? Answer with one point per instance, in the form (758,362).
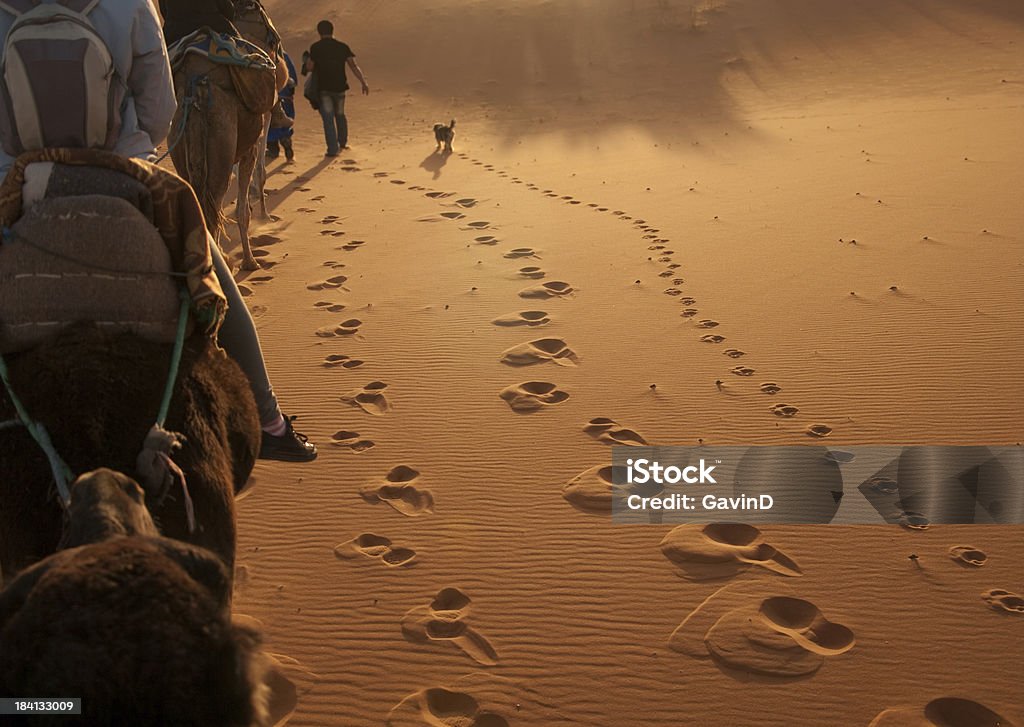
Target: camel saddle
(92,236)
(253,72)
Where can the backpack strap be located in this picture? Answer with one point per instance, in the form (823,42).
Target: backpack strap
(18,7)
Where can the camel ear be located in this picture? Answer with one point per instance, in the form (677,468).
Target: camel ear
(203,567)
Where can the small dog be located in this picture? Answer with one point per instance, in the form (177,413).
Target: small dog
(444,135)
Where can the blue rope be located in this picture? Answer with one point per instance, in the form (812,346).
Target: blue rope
(62,474)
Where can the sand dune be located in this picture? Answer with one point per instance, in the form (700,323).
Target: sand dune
(722,222)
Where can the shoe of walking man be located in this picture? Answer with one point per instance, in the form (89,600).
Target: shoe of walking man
(328,59)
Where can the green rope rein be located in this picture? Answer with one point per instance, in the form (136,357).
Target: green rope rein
(62,474)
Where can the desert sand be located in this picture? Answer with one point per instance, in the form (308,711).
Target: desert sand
(813,203)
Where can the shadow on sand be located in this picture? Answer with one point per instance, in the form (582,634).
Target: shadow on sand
(435,162)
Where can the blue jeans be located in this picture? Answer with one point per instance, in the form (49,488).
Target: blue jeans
(332,111)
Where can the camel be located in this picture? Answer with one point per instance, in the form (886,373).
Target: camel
(253,22)
(136,625)
(97,393)
(219,130)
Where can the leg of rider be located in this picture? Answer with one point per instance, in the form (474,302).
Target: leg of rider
(238,337)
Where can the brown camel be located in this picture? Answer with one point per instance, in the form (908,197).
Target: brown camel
(219,129)
(97,394)
(135,625)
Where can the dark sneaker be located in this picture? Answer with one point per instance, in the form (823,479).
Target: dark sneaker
(289,447)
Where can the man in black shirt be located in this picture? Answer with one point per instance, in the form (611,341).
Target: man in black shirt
(327,60)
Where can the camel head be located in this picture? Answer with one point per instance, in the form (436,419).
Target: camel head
(105,504)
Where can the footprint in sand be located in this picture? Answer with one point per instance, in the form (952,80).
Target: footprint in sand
(968,555)
(353,245)
(734,353)
(345,328)
(784,410)
(707,323)
(446,620)
(523,318)
(943,712)
(550,289)
(245,290)
(466,202)
(398,181)
(721,550)
(770,387)
(610,431)
(398,490)
(334,264)
(479,225)
(672,291)
(531,271)
(340,359)
(818,430)
(742,371)
(688,301)
(452,215)
(351,440)
(486,240)
(440,707)
(532,396)
(377,547)
(336,282)
(351,168)
(369,398)
(592,491)
(380,174)
(304,209)
(520,252)
(329,307)
(439,195)
(539,351)
(1004,601)
(778,635)
(689,312)
(712,338)
(666,274)
(913,520)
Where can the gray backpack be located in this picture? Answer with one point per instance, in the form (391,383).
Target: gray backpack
(59,84)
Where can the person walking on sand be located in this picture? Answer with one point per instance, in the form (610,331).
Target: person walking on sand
(282,120)
(327,60)
(131,33)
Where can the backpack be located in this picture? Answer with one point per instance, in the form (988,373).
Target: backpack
(59,84)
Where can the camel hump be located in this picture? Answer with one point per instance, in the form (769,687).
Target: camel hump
(92,257)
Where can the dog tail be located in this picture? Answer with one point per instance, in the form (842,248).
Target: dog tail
(452,124)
